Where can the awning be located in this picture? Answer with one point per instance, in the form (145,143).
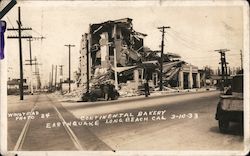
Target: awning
(121,69)
(139,33)
(168,66)
(150,64)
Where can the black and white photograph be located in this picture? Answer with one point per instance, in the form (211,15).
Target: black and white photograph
(124,77)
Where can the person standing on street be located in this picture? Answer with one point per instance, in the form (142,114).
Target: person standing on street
(146,88)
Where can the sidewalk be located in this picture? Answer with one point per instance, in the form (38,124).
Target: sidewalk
(159,94)
(153,95)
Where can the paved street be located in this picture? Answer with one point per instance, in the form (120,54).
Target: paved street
(173,122)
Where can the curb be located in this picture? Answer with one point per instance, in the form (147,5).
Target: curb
(157,96)
(143,98)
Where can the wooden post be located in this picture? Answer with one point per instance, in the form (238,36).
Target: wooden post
(115,59)
(20,54)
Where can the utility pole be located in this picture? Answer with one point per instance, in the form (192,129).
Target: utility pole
(241,60)
(29,40)
(30,63)
(69,45)
(223,67)
(115,59)
(162,29)
(52,75)
(49,81)
(55,76)
(87,54)
(31,60)
(38,84)
(61,77)
(20,37)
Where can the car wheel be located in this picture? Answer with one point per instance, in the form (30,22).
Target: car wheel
(115,97)
(93,98)
(223,126)
(84,99)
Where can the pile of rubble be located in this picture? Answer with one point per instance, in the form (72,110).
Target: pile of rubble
(127,90)
(76,93)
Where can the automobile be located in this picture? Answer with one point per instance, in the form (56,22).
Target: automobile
(230,106)
(101,92)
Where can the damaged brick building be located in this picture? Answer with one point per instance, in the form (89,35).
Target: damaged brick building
(117,54)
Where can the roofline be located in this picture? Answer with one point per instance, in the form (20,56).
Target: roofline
(112,21)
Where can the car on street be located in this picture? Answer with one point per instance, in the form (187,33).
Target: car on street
(101,92)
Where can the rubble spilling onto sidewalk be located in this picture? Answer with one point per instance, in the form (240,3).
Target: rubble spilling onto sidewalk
(127,90)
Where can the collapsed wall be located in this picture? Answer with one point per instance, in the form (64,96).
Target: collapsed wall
(115,47)
(108,40)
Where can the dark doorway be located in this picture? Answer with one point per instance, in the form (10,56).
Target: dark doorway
(185,80)
(194,80)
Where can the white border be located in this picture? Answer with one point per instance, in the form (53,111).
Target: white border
(244,4)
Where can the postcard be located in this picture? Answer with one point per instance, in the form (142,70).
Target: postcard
(125,78)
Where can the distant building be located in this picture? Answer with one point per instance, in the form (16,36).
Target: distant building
(189,77)
(13,86)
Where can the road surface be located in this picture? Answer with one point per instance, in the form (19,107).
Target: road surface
(174,122)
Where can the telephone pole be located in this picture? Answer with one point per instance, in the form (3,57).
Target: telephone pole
(69,45)
(20,37)
(241,60)
(61,77)
(49,81)
(31,60)
(55,76)
(87,51)
(38,85)
(223,67)
(52,76)
(115,57)
(30,63)
(162,29)
(29,40)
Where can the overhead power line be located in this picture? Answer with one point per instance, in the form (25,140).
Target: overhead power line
(20,37)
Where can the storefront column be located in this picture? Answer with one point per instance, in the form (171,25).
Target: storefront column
(180,78)
(198,80)
(190,78)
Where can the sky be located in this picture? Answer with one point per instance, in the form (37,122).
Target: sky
(196,31)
